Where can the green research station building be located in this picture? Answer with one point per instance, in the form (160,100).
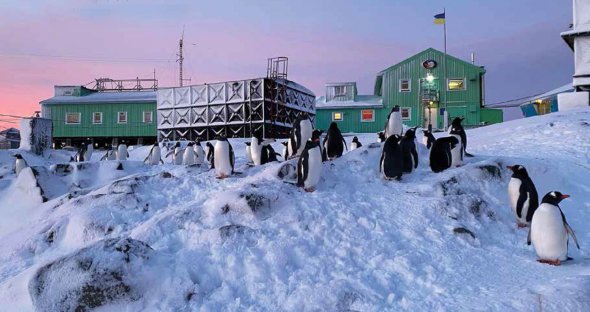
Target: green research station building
(417,85)
(104,117)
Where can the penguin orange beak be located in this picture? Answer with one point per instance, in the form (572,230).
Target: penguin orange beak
(510,167)
(565,196)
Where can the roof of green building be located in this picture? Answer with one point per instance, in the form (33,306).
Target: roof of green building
(361,101)
(449,57)
(104,98)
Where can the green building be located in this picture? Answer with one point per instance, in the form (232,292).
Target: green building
(418,86)
(103,117)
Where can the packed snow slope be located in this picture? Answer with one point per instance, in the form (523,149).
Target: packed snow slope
(175,238)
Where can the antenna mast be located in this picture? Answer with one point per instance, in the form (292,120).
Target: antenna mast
(180,57)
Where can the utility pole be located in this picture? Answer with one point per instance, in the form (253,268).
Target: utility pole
(180,57)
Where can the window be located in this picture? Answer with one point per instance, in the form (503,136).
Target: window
(456,84)
(73,118)
(122,117)
(339,90)
(405,85)
(367,115)
(97,118)
(147,117)
(406,113)
(337,116)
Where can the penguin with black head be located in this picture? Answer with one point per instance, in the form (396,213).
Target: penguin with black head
(334,143)
(269,154)
(300,133)
(428,138)
(199,152)
(249,152)
(394,122)
(309,167)
(457,128)
(79,157)
(20,164)
(355,143)
(549,230)
(189,157)
(211,155)
(285,154)
(122,153)
(89,151)
(224,158)
(176,153)
(409,151)
(392,161)
(256,146)
(440,154)
(154,157)
(523,196)
(380,137)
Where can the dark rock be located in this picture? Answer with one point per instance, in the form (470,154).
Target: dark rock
(287,171)
(119,166)
(232,230)
(256,202)
(448,186)
(477,206)
(91,277)
(462,230)
(166,175)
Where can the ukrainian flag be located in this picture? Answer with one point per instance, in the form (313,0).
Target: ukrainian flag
(439,19)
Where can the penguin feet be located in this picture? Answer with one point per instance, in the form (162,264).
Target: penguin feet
(223,176)
(521,225)
(309,189)
(550,262)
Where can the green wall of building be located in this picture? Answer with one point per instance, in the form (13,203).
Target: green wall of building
(135,127)
(465,103)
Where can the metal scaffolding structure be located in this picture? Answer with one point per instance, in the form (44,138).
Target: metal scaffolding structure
(137,84)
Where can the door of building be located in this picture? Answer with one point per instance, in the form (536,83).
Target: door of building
(430,117)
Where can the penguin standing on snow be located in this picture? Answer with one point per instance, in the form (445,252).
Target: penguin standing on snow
(440,153)
(334,143)
(355,144)
(199,152)
(269,154)
(89,151)
(189,156)
(301,132)
(394,122)
(523,195)
(409,151)
(256,147)
(428,139)
(457,128)
(79,157)
(249,152)
(155,155)
(549,230)
(176,153)
(122,153)
(19,164)
(285,154)
(211,155)
(110,154)
(224,158)
(392,160)
(309,167)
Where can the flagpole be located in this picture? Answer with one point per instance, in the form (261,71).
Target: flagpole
(445,122)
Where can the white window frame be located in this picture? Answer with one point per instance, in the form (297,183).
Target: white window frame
(93,121)
(336,93)
(409,89)
(74,123)
(334,116)
(119,119)
(151,116)
(464,84)
(409,109)
(367,120)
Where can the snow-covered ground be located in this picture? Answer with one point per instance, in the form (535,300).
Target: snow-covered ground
(444,241)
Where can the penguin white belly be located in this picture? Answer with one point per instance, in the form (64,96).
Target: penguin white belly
(19,166)
(189,156)
(199,154)
(256,151)
(353,146)
(306,131)
(249,154)
(88,154)
(548,233)
(177,158)
(394,125)
(155,156)
(222,161)
(456,154)
(314,169)
(514,193)
(122,152)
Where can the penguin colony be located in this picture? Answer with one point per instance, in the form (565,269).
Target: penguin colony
(548,230)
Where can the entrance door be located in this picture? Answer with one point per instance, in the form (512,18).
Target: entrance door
(431,117)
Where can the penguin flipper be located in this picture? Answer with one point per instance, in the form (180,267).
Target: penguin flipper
(231,157)
(415,155)
(521,200)
(381,162)
(570,231)
(345,146)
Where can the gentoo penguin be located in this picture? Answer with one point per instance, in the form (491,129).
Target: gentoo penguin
(110,154)
(122,153)
(392,161)
(549,230)
(210,155)
(249,152)
(334,143)
(224,158)
(409,151)
(428,139)
(381,137)
(79,157)
(394,122)
(20,164)
(523,195)
(457,152)
(269,154)
(309,167)
(199,152)
(155,155)
(300,133)
(176,153)
(355,144)
(256,145)
(457,128)
(285,154)
(440,153)
(189,157)
(89,151)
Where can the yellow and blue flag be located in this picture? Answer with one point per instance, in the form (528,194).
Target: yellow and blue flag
(439,19)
